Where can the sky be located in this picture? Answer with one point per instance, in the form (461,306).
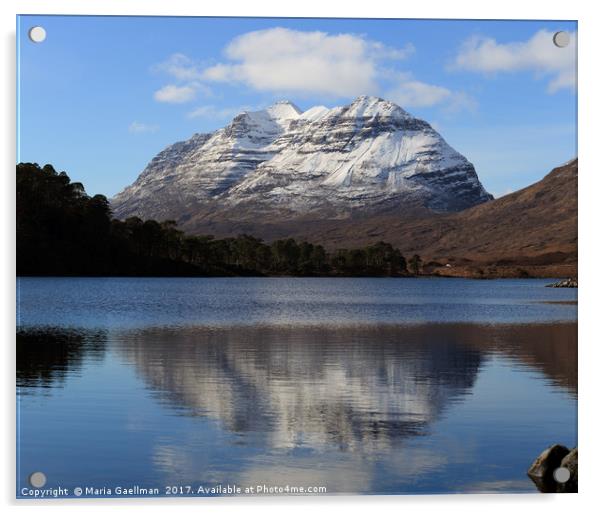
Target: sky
(101,96)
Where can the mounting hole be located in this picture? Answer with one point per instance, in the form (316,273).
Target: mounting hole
(37,479)
(562,475)
(37,34)
(562,39)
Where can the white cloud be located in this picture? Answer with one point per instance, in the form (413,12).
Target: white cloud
(137,128)
(413,93)
(408,92)
(180,67)
(175,94)
(289,61)
(538,54)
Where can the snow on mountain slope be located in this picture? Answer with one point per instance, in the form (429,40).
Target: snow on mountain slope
(370,154)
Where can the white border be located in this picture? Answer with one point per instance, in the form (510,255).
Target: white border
(590,254)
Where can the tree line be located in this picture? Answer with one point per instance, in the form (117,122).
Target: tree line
(63,231)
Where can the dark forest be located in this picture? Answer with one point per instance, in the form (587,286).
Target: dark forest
(62,231)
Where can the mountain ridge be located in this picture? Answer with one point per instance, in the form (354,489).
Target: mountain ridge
(369,155)
(352,176)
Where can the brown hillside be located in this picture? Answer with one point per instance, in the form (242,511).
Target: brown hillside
(534,228)
(530,232)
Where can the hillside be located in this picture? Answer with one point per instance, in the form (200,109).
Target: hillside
(534,229)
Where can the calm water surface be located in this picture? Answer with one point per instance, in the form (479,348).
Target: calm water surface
(358,385)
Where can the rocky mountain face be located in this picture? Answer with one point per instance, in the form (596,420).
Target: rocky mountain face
(367,157)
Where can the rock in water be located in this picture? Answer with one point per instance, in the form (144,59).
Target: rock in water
(369,155)
(569,462)
(568,282)
(542,469)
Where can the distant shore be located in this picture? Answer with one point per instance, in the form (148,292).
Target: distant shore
(468,274)
(61,231)
(491,271)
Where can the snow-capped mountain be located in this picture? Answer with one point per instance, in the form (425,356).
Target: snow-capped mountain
(368,156)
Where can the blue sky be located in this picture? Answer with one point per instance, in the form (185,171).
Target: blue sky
(102,95)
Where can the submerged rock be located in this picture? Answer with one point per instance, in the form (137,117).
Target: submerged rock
(543,467)
(567,282)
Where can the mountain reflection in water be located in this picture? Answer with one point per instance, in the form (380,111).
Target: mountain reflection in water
(349,386)
(356,408)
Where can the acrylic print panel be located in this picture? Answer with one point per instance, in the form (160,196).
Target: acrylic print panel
(295,256)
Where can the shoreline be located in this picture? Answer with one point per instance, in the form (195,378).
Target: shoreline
(459,274)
